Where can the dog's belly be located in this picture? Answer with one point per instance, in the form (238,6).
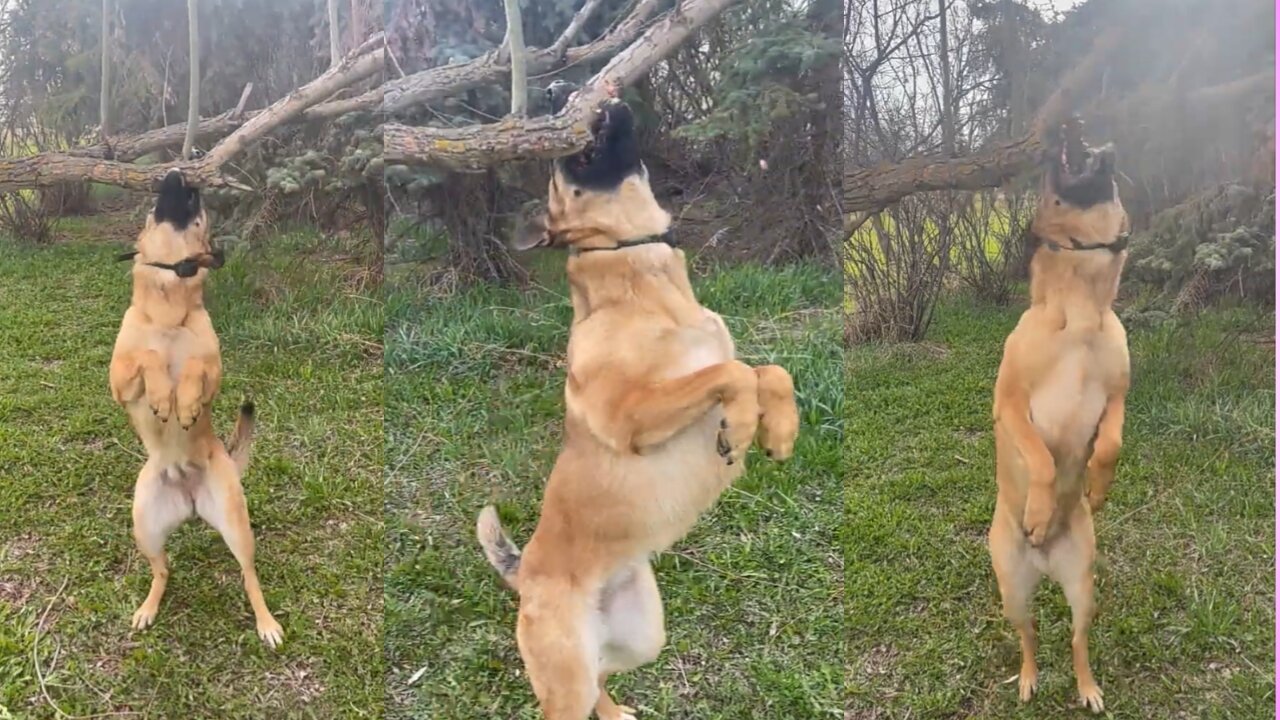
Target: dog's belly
(1067,406)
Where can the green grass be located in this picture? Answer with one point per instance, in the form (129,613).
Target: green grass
(301,334)
(1186,544)
(474,406)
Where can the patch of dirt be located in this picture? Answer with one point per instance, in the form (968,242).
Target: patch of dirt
(882,660)
(17,589)
(298,681)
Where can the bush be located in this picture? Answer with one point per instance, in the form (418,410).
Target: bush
(988,243)
(1220,242)
(25,218)
(896,269)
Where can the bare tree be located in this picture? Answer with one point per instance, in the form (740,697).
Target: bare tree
(193,99)
(104,102)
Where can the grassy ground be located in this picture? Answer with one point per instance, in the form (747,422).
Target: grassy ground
(1186,543)
(300,330)
(474,405)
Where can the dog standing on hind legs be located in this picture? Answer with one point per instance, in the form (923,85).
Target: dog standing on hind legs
(165,370)
(659,417)
(1059,403)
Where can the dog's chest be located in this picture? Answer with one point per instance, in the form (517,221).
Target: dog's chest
(1068,401)
(697,346)
(175,344)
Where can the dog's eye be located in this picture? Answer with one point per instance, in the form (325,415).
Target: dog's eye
(1057,202)
(577,192)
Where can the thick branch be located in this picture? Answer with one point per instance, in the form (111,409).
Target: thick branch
(873,189)
(479,146)
(440,82)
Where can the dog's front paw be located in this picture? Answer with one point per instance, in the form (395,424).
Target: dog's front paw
(779,416)
(161,402)
(188,413)
(1036,517)
(737,430)
(270,632)
(1100,476)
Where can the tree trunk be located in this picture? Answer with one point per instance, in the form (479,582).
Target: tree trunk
(193,91)
(515,48)
(335,41)
(104,94)
(948,110)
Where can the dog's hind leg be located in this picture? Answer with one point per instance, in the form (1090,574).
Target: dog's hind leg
(1017,577)
(1071,564)
(561,652)
(158,508)
(220,502)
(634,631)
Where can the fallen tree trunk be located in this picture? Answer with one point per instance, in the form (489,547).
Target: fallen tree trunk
(870,190)
(479,146)
(109,163)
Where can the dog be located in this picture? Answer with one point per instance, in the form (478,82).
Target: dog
(165,371)
(659,416)
(1059,402)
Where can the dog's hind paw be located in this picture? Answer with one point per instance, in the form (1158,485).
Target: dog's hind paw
(270,632)
(1091,697)
(144,617)
(1026,686)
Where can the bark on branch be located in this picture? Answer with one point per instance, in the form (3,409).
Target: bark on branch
(479,146)
(871,190)
(46,169)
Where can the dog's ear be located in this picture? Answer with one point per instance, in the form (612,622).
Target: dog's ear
(176,203)
(531,227)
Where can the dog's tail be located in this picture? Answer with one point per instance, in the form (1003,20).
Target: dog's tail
(503,554)
(242,438)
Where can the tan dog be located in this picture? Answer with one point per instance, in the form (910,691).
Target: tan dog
(659,417)
(165,371)
(1059,403)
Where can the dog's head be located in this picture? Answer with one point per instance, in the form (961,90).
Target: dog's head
(1079,200)
(175,239)
(598,197)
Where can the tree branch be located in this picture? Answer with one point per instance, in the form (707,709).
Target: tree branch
(479,146)
(436,83)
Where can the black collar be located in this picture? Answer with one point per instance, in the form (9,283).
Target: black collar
(666,238)
(1116,247)
(186,267)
